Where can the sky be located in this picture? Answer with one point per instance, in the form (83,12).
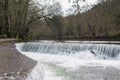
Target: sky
(67,6)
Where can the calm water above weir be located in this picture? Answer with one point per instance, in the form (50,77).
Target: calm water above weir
(72,60)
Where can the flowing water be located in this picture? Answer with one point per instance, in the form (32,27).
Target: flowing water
(72,61)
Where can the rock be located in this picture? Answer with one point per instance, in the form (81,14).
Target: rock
(12,62)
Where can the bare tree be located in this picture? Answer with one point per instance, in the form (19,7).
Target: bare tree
(55,20)
(113,8)
(76,6)
(58,26)
(4,16)
(94,24)
(17,16)
(93,29)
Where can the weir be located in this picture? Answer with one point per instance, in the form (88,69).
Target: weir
(72,60)
(103,51)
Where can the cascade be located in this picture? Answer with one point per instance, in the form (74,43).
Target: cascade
(106,50)
(57,60)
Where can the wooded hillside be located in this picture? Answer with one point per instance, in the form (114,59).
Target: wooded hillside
(26,19)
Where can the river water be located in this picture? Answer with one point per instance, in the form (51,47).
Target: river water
(72,60)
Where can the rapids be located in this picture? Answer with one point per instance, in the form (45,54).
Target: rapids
(72,60)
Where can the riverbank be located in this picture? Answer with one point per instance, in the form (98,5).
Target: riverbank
(13,65)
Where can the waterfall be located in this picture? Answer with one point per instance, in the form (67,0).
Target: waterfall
(108,50)
(57,60)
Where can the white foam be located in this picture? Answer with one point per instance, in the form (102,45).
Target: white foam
(71,62)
